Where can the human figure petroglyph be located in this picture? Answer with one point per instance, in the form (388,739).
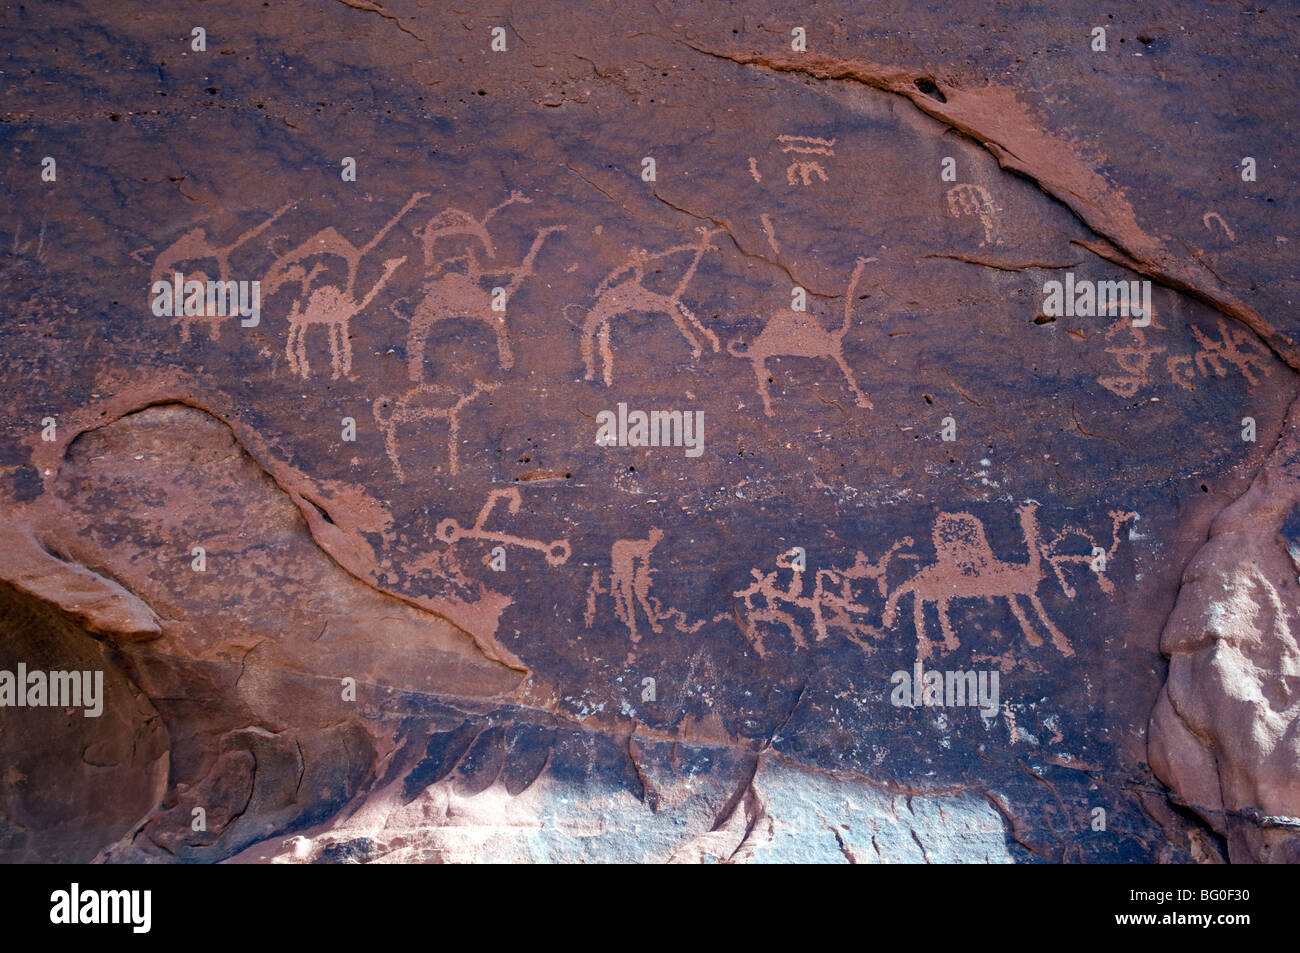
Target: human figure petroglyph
(967,199)
(449,531)
(459,295)
(421,403)
(803,170)
(966,568)
(791,333)
(196,246)
(832,603)
(328,305)
(629,295)
(1235,348)
(630,581)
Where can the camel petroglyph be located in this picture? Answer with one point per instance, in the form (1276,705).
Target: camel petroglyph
(630,295)
(791,333)
(195,246)
(455,294)
(328,305)
(966,568)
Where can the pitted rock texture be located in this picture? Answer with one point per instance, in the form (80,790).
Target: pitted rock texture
(370,584)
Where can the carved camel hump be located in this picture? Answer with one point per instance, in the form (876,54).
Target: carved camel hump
(961,543)
(793,334)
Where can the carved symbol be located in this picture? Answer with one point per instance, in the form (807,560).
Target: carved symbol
(630,296)
(420,403)
(328,305)
(195,246)
(753,169)
(1236,348)
(449,531)
(1205,219)
(973,200)
(1134,360)
(629,583)
(800,334)
(802,170)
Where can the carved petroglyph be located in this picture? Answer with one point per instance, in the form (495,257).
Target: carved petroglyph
(328,305)
(791,333)
(832,603)
(449,531)
(629,295)
(459,295)
(966,568)
(193,247)
(1235,348)
(630,581)
(803,170)
(420,403)
(966,199)
(1205,220)
(1134,356)
(1094,557)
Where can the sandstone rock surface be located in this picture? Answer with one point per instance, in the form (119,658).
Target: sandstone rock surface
(367,583)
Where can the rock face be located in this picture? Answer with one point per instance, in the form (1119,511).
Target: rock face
(634,434)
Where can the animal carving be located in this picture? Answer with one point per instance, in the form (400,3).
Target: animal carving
(330,306)
(195,246)
(966,568)
(457,294)
(800,334)
(616,297)
(333,308)
(422,403)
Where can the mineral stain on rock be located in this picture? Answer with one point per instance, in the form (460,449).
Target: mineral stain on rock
(367,583)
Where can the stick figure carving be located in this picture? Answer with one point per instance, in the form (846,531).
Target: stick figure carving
(420,403)
(457,294)
(974,200)
(449,531)
(629,584)
(628,296)
(800,334)
(195,246)
(328,305)
(828,608)
(966,568)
